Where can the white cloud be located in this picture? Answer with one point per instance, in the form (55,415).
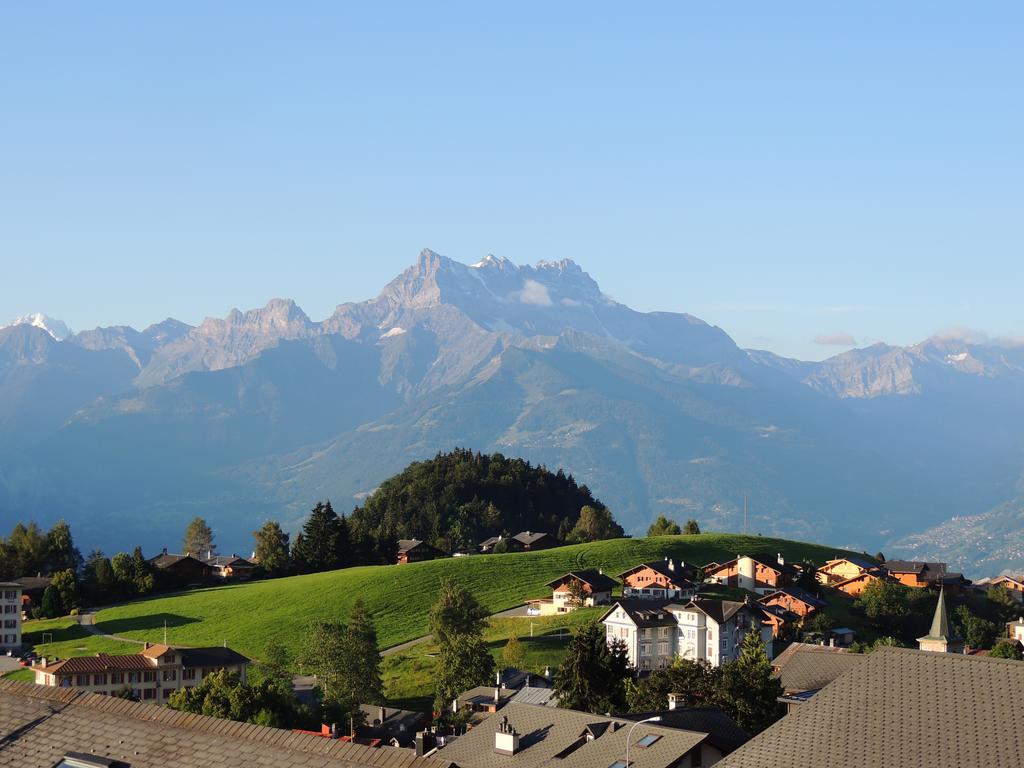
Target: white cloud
(570,303)
(535,293)
(835,340)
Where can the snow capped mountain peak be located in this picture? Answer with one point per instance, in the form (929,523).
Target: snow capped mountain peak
(56,328)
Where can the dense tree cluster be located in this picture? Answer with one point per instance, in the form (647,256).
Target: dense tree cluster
(224,694)
(744,689)
(457,499)
(28,551)
(592,676)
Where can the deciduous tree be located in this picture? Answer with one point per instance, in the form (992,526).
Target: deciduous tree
(463,663)
(272,549)
(198,538)
(513,655)
(456,612)
(691,527)
(595,524)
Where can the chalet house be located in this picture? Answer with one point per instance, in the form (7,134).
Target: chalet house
(153,674)
(10,616)
(595,587)
(486,546)
(416,551)
(531,541)
(42,727)
(799,601)
(532,736)
(782,621)
(857,584)
(32,588)
(395,727)
(843,568)
(649,632)
(713,630)
(1015,630)
(922,575)
(661,580)
(1013,585)
(883,713)
(181,570)
(756,574)
(231,567)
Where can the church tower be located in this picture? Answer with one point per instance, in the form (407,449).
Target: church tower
(940,638)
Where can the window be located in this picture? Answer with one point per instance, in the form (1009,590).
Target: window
(647,740)
(9,594)
(10,623)
(645,649)
(170,674)
(618,764)
(99,679)
(190,674)
(81,679)
(149,693)
(117,678)
(82,760)
(149,676)
(133,677)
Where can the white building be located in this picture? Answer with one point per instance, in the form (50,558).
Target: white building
(648,632)
(10,617)
(700,630)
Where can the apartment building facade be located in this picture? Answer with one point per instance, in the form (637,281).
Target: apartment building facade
(10,617)
(152,674)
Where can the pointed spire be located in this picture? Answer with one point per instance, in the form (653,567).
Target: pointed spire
(940,621)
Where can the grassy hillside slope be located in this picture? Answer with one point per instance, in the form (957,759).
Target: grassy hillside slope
(245,616)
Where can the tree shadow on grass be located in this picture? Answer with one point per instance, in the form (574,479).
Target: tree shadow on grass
(149,623)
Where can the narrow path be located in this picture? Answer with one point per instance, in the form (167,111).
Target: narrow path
(519,612)
(87,621)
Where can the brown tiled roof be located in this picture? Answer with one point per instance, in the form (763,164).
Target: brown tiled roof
(592,577)
(101,662)
(39,725)
(547,731)
(905,708)
(805,667)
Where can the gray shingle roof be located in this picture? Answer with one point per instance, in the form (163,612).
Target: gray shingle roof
(720,728)
(547,731)
(900,707)
(39,725)
(804,667)
(644,613)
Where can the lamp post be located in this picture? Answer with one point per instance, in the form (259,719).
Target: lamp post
(655,719)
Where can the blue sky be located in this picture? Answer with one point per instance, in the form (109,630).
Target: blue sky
(787,171)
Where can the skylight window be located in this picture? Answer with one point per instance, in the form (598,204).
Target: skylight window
(647,740)
(83,760)
(618,764)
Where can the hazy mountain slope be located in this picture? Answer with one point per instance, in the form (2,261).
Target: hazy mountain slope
(131,433)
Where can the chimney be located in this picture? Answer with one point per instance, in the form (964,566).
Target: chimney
(424,743)
(832,642)
(497,677)
(145,645)
(382,714)
(209,554)
(671,565)
(497,695)
(673,700)
(601,571)
(547,673)
(165,551)
(782,560)
(506,740)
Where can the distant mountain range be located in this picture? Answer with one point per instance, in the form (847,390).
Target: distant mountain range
(128,434)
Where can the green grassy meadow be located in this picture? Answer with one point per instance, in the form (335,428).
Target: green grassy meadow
(399,597)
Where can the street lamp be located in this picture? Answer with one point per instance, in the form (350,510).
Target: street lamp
(655,719)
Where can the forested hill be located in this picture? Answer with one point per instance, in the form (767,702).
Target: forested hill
(457,499)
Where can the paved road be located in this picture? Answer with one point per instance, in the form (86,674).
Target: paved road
(8,664)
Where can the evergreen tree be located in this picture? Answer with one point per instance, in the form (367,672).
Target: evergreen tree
(99,582)
(61,552)
(364,678)
(664,527)
(272,549)
(29,550)
(1002,604)
(323,544)
(748,692)
(143,578)
(691,527)
(456,612)
(592,675)
(463,663)
(198,539)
